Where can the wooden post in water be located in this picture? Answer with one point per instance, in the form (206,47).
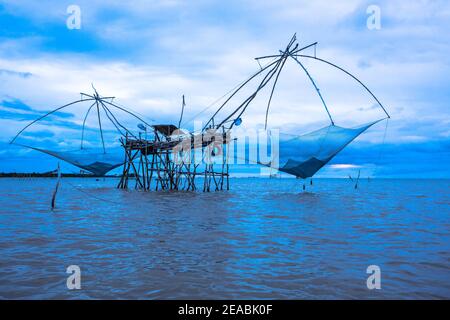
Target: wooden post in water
(56,187)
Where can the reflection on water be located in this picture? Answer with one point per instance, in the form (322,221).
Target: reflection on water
(265,238)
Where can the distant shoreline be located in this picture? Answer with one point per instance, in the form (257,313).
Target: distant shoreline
(51,175)
(86,175)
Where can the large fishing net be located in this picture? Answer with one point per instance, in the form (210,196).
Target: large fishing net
(304,155)
(93,160)
(100,130)
(301,156)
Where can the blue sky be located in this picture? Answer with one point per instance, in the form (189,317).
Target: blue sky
(149,53)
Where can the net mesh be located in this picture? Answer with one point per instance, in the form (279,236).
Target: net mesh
(92,160)
(304,155)
(301,156)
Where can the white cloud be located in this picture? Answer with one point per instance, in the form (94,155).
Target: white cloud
(182,50)
(344,166)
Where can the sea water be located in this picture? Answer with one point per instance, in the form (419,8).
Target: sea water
(263,239)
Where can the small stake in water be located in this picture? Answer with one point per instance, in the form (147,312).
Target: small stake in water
(56,188)
(357,179)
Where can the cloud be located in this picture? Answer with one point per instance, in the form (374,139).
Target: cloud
(15,73)
(149,53)
(344,166)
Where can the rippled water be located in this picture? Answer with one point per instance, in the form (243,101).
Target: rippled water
(265,238)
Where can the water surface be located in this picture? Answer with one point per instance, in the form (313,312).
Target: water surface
(266,238)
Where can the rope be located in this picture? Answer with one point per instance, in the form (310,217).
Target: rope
(90,195)
(133,111)
(315,87)
(212,104)
(229,92)
(383,141)
(351,75)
